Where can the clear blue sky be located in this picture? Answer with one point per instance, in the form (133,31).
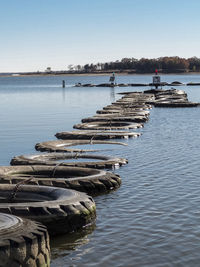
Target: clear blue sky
(36,34)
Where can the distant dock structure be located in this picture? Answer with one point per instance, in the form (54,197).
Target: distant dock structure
(155,84)
(112,80)
(156,80)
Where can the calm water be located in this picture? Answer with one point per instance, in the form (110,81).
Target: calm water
(154,217)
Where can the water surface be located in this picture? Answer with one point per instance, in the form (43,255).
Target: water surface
(153,218)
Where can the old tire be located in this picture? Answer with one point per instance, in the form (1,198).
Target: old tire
(61,210)
(23,243)
(125,112)
(176,104)
(99,161)
(108,125)
(137,119)
(88,180)
(62,145)
(96,135)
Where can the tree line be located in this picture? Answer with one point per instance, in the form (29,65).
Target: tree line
(144,65)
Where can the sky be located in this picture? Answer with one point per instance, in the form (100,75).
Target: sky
(37,34)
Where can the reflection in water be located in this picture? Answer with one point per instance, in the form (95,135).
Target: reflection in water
(63,94)
(63,245)
(112,94)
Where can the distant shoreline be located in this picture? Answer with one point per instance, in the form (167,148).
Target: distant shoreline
(90,74)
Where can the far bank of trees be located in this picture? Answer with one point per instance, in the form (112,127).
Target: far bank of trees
(144,65)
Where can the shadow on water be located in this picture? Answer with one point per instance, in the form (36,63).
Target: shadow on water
(63,245)
(63,94)
(112,94)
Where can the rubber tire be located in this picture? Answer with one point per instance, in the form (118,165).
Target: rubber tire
(143,113)
(91,181)
(51,159)
(137,119)
(96,135)
(126,112)
(108,125)
(60,145)
(176,104)
(123,108)
(23,243)
(61,210)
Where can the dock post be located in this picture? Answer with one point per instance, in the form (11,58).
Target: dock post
(63,84)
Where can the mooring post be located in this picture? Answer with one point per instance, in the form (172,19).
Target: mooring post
(112,80)
(156,80)
(63,84)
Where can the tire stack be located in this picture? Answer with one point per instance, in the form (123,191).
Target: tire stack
(171,99)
